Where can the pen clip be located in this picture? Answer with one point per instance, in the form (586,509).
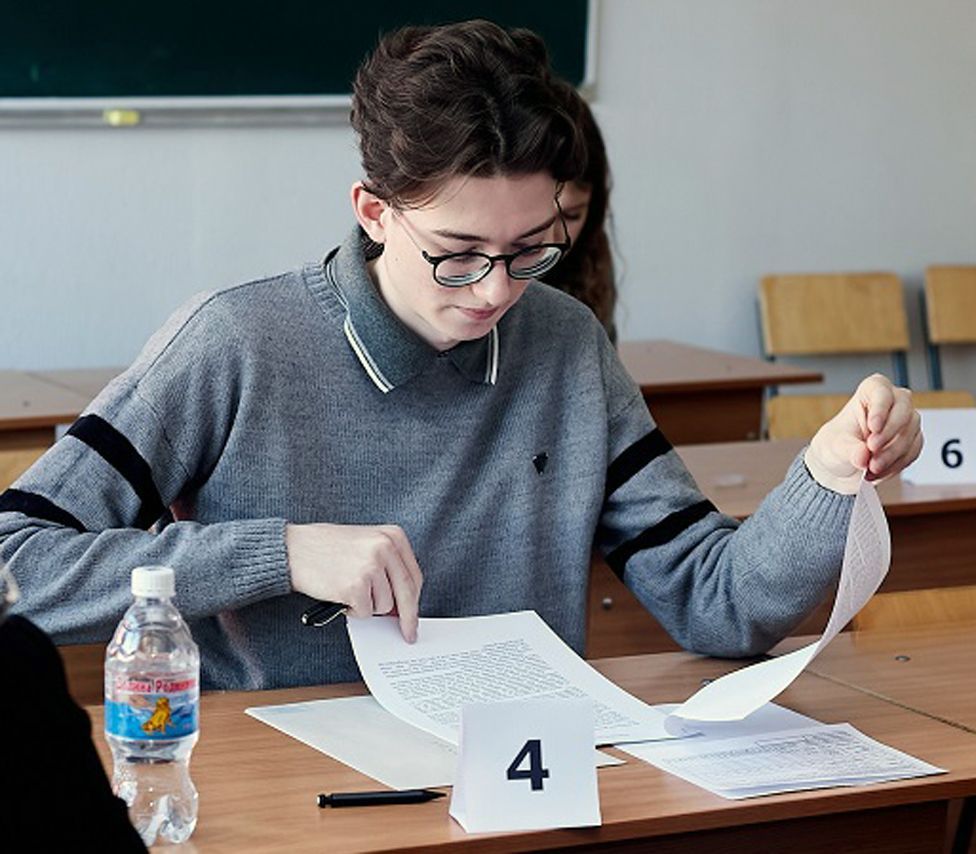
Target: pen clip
(322,613)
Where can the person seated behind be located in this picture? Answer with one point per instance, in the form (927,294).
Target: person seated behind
(587,270)
(416,413)
(58,796)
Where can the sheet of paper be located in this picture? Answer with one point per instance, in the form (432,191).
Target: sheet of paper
(488,659)
(359,732)
(867,554)
(768,718)
(768,759)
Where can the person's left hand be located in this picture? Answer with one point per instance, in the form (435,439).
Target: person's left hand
(878,432)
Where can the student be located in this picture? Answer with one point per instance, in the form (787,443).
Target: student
(414,411)
(587,270)
(57,795)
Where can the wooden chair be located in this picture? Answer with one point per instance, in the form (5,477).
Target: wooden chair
(949,312)
(14,461)
(835,313)
(799,416)
(906,608)
(84,666)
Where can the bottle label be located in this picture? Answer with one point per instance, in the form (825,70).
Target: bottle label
(153,707)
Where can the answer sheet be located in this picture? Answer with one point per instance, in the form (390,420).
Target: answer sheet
(867,554)
(488,659)
(783,760)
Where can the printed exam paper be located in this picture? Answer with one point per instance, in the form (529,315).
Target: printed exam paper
(488,659)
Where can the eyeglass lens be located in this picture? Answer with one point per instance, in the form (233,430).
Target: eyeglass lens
(467,269)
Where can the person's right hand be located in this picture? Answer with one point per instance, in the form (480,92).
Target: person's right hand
(369,568)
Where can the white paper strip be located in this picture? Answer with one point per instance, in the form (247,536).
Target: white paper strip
(867,555)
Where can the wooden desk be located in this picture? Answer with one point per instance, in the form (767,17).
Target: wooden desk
(31,404)
(933,528)
(39,401)
(696,394)
(699,395)
(928,669)
(933,538)
(257,786)
(87,382)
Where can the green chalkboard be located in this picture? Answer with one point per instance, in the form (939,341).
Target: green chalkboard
(133,49)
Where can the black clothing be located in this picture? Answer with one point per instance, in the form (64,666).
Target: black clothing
(57,796)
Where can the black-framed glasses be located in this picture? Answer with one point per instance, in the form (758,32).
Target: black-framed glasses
(458,269)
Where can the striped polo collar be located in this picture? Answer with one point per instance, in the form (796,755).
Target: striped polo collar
(390,353)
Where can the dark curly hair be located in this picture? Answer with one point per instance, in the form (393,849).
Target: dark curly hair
(469,99)
(587,271)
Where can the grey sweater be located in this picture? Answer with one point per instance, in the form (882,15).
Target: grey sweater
(302,398)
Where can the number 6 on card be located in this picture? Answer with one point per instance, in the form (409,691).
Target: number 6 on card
(949,453)
(526,765)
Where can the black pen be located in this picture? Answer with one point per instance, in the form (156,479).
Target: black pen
(375,799)
(322,613)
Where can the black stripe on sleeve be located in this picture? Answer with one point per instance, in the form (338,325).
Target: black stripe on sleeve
(632,459)
(121,454)
(663,532)
(37,507)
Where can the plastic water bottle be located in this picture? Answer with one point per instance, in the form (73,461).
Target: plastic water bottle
(152,698)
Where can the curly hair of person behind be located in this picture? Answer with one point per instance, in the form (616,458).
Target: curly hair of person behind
(587,272)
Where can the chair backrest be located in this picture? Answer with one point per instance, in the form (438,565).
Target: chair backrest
(14,462)
(84,666)
(907,608)
(950,305)
(799,416)
(809,314)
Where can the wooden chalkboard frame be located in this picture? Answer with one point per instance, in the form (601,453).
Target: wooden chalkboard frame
(139,109)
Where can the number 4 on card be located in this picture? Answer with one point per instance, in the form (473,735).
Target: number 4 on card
(506,780)
(532,752)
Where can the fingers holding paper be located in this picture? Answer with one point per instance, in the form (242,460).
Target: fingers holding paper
(370,568)
(877,433)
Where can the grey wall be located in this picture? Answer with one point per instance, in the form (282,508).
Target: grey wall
(746,136)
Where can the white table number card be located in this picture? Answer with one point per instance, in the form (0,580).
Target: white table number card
(526,765)
(949,454)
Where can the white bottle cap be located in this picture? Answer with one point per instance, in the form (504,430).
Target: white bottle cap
(153,582)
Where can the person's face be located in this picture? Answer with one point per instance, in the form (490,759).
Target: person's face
(575,202)
(493,215)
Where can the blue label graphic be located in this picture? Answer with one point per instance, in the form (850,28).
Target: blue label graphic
(156,717)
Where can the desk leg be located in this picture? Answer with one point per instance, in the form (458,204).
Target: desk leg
(964,841)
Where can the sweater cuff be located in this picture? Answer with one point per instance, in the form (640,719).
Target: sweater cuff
(259,564)
(805,498)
